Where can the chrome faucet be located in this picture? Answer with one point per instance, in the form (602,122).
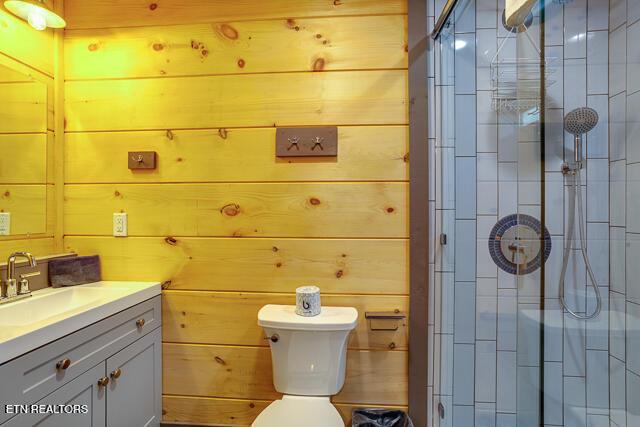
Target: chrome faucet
(11,291)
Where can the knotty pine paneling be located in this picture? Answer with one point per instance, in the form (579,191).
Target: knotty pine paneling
(230,318)
(33,164)
(240,412)
(282,99)
(235,155)
(338,266)
(373,377)
(27,205)
(137,13)
(314,44)
(24,107)
(241,209)
(226,225)
(21,42)
(38,246)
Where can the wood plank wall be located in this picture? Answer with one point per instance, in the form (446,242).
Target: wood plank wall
(224,223)
(27,133)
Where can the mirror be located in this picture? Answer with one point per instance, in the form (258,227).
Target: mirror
(24,142)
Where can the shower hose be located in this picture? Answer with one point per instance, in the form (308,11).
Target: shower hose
(569,244)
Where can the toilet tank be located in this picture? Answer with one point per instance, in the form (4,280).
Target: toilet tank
(309,354)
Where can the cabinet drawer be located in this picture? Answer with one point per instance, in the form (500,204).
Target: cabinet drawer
(29,378)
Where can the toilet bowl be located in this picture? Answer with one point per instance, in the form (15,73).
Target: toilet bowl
(309,357)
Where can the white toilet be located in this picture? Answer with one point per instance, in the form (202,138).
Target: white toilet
(309,356)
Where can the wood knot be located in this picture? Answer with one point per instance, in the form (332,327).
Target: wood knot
(170,135)
(222,133)
(158,47)
(164,412)
(314,201)
(153,6)
(231,209)
(252,405)
(337,2)
(228,31)
(325,41)
(204,53)
(390,210)
(182,325)
(318,64)
(93,47)
(220,360)
(291,23)
(297,28)
(7,193)
(275,249)
(179,159)
(241,63)
(344,255)
(279,264)
(339,274)
(117,193)
(195,44)
(405,158)
(318,36)
(392,346)
(166,285)
(171,240)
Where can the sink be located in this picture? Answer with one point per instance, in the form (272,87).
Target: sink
(50,313)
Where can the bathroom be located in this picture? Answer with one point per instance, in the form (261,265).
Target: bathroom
(320,213)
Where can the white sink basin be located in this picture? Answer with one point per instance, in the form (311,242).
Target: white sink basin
(53,313)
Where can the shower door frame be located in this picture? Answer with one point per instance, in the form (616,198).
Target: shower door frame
(418,42)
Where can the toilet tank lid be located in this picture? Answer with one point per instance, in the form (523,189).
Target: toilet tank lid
(329,319)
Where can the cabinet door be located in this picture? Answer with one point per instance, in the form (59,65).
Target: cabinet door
(83,390)
(135,391)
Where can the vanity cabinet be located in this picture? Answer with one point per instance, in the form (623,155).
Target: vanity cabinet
(114,367)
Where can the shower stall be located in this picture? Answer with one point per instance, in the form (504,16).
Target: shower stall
(534,139)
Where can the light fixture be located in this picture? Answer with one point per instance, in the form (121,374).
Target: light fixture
(36,12)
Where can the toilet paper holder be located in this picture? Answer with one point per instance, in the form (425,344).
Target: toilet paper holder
(385,320)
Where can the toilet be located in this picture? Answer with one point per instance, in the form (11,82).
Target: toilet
(309,356)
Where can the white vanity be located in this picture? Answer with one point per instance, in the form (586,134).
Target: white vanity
(92,351)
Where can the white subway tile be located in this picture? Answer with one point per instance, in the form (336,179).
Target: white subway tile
(554,23)
(617,325)
(462,415)
(486,14)
(465,187)
(507,319)
(633,127)
(618,192)
(485,381)
(633,391)
(598,251)
(575,83)
(553,399)
(465,319)
(465,249)
(617,13)
(617,387)
(597,420)
(618,60)
(617,246)
(465,63)
(633,198)
(506,383)
(528,335)
(506,420)
(598,15)
(575,29)
(486,309)
(485,414)
(553,330)
(633,268)
(574,346)
(528,396)
(465,125)
(598,138)
(597,190)
(633,338)
(617,127)
(463,376)
(633,55)
(598,62)
(575,414)
(597,382)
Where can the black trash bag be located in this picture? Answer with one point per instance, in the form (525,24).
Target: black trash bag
(380,418)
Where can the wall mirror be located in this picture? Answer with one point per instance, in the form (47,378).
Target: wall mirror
(26,120)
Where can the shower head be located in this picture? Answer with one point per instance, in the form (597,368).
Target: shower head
(580,121)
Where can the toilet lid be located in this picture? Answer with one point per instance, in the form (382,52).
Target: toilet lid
(296,411)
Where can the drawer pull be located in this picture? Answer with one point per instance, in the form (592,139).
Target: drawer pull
(63,364)
(116,374)
(140,323)
(103,382)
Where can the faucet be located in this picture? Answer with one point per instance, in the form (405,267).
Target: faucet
(11,291)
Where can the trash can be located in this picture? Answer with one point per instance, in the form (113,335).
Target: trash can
(380,418)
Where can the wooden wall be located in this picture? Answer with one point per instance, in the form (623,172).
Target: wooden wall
(226,225)
(27,136)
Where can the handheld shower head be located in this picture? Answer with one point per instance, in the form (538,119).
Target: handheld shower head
(580,121)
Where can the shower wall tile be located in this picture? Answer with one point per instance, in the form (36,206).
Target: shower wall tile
(618,192)
(618,127)
(575,83)
(553,398)
(633,12)
(618,392)
(617,13)
(597,382)
(598,62)
(598,12)
(445,254)
(574,347)
(485,415)
(597,420)
(507,319)
(554,203)
(617,259)
(598,328)
(465,57)
(507,141)
(633,198)
(488,200)
(506,383)
(554,138)
(618,61)
(617,325)
(486,267)
(575,413)
(633,338)
(528,335)
(633,127)
(465,187)
(485,381)
(486,309)
(444,310)
(465,17)
(597,190)
(465,249)
(554,23)
(486,42)
(462,415)
(465,125)
(633,268)
(598,138)
(528,396)
(446,365)
(486,115)
(554,268)
(505,420)
(465,309)
(486,14)
(575,29)
(463,374)
(553,330)
(598,250)
(633,391)
(633,56)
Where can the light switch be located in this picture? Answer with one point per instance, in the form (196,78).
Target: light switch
(5,223)
(120,224)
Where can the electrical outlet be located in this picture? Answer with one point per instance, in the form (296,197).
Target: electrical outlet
(5,223)
(120,224)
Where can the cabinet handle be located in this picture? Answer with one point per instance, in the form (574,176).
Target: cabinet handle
(63,364)
(103,382)
(116,374)
(140,323)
